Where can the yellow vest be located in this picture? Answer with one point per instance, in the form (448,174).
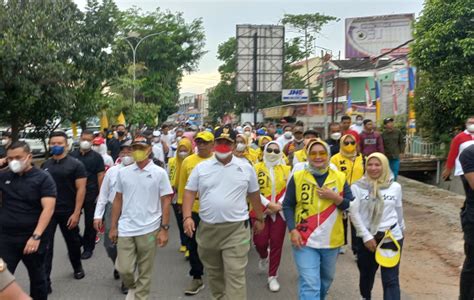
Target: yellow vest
(172,171)
(301,155)
(354,170)
(318,220)
(185,171)
(281,177)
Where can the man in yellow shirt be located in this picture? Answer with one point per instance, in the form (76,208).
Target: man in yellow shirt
(205,144)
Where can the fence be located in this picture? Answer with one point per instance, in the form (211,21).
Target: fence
(417,147)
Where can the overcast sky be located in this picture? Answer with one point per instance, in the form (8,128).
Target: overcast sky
(221,16)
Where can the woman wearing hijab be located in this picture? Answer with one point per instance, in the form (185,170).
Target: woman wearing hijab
(377,208)
(350,163)
(262,141)
(272,176)
(314,201)
(243,150)
(184,149)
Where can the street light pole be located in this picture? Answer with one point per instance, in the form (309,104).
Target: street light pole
(134,53)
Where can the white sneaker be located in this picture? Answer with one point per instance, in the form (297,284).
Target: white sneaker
(273,284)
(130,294)
(342,250)
(263,264)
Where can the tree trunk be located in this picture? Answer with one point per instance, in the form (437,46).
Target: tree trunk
(15,129)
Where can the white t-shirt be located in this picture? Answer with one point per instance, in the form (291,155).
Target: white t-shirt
(107,191)
(282,141)
(158,152)
(141,190)
(357,128)
(223,189)
(392,211)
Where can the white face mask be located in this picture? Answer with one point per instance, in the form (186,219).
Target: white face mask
(85,145)
(222,156)
(183,154)
(4,142)
(247,133)
(288,135)
(470,128)
(359,122)
(272,157)
(156,140)
(178,139)
(127,160)
(240,147)
(96,149)
(336,136)
(16,166)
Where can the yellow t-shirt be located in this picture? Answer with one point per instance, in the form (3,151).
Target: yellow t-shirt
(354,170)
(185,171)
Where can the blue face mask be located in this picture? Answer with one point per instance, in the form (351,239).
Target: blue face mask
(280,131)
(56,150)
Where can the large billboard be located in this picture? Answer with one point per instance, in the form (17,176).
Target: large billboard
(372,36)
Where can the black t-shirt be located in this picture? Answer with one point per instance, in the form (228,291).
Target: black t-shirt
(333,146)
(20,204)
(467,214)
(65,172)
(113,145)
(3,152)
(94,164)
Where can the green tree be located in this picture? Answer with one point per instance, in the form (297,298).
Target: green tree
(443,52)
(165,57)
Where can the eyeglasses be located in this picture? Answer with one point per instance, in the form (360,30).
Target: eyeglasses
(316,154)
(271,150)
(349,143)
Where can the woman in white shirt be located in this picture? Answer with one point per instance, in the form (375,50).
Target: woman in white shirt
(377,208)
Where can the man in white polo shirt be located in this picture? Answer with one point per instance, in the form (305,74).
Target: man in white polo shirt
(224,183)
(140,216)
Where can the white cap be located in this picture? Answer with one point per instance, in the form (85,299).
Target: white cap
(156,133)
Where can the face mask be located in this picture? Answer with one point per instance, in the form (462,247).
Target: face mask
(4,142)
(120,133)
(16,166)
(349,148)
(288,135)
(96,149)
(279,131)
(272,157)
(56,150)
(359,122)
(183,154)
(335,136)
(127,160)
(178,139)
(240,147)
(140,155)
(85,145)
(156,140)
(222,156)
(247,133)
(222,151)
(470,128)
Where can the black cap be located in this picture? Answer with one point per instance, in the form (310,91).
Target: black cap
(225,132)
(387,120)
(141,142)
(311,131)
(125,144)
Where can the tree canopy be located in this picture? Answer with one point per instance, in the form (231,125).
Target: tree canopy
(443,52)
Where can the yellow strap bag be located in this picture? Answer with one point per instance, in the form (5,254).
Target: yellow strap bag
(387,257)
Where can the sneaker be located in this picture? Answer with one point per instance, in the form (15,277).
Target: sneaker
(86,254)
(116,274)
(342,250)
(97,239)
(130,294)
(124,289)
(273,284)
(195,287)
(186,254)
(182,249)
(263,264)
(79,273)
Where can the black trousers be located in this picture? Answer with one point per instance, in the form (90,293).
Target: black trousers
(88,240)
(467,274)
(11,251)
(179,219)
(72,239)
(197,269)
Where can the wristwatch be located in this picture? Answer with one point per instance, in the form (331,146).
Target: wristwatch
(165,226)
(36,237)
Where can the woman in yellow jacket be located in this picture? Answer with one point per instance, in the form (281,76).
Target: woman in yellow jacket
(272,175)
(314,201)
(243,150)
(350,163)
(184,149)
(262,141)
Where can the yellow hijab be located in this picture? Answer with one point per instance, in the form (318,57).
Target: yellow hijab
(189,147)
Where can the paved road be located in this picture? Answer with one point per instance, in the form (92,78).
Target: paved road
(171,277)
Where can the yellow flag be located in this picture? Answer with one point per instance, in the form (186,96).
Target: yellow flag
(104,122)
(74,130)
(121,119)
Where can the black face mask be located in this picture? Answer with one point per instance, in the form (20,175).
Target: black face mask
(121,133)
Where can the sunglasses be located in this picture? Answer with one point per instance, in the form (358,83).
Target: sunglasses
(316,154)
(201,142)
(349,143)
(270,150)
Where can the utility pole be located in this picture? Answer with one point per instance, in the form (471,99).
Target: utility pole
(308,85)
(255,52)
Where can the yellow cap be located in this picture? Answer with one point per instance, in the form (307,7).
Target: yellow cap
(385,257)
(205,136)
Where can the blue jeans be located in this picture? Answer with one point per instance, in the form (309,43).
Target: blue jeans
(316,268)
(394,166)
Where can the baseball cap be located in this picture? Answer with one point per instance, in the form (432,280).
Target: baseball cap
(205,136)
(387,120)
(140,142)
(98,141)
(311,131)
(156,133)
(126,144)
(226,132)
